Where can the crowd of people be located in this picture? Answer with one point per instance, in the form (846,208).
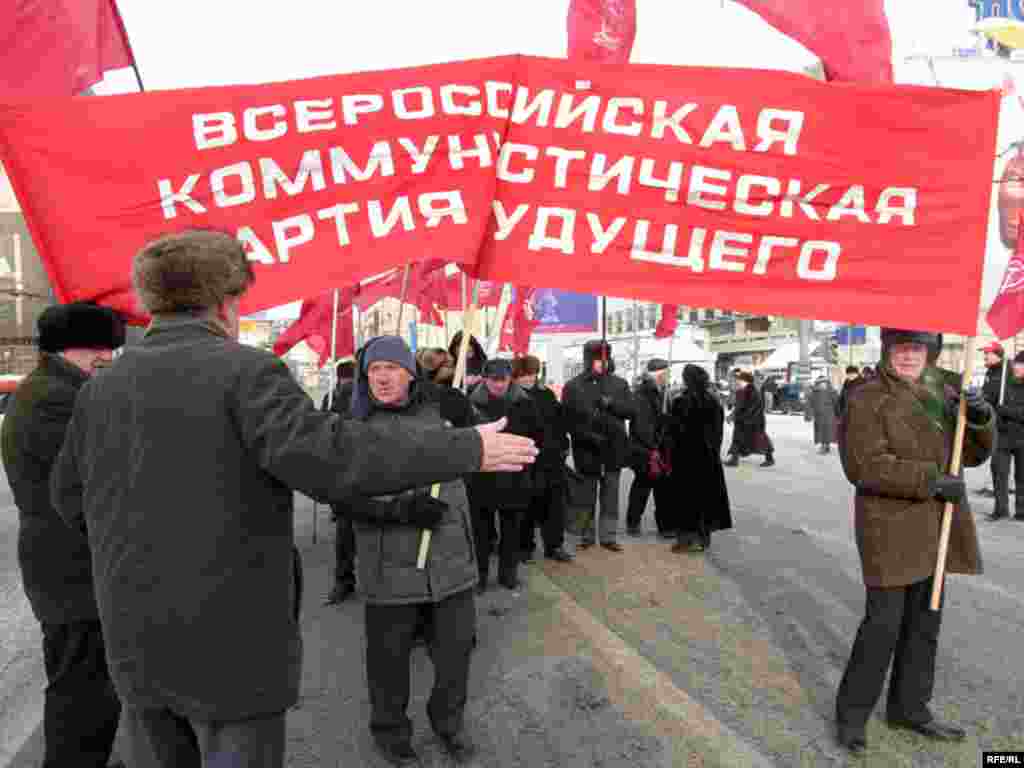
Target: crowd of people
(426,476)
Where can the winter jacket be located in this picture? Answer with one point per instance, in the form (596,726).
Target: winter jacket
(508,490)
(892,449)
(849,387)
(454,405)
(694,434)
(181,462)
(600,442)
(646,431)
(56,568)
(388,550)
(341,402)
(554,442)
(1009,415)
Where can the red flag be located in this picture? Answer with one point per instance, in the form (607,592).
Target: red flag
(488,293)
(59,47)
(852,39)
(421,274)
(668,322)
(1006,315)
(520,323)
(602,30)
(315,326)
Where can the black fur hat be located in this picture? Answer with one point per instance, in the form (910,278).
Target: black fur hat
(80,325)
(893,336)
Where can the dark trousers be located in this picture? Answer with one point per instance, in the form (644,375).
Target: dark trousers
(900,628)
(80,706)
(607,493)
(160,738)
(639,493)
(1005,452)
(508,545)
(390,632)
(344,549)
(548,511)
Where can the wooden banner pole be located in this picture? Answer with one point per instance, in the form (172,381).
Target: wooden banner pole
(967,368)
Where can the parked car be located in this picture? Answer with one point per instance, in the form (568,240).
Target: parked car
(791,398)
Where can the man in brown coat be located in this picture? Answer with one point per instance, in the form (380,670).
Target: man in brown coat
(896,444)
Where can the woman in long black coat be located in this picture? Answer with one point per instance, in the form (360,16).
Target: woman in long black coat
(749,435)
(695,434)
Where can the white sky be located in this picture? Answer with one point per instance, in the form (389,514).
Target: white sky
(191,43)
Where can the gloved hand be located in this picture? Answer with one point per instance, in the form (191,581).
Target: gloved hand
(426,512)
(978,409)
(605,403)
(949,488)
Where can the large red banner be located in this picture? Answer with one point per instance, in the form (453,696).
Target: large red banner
(751,190)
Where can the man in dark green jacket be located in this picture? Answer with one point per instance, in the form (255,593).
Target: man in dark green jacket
(401,596)
(180,462)
(80,708)
(344,587)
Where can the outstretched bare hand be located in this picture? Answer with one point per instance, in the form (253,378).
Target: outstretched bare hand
(502,452)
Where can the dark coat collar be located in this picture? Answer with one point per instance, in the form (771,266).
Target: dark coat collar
(56,366)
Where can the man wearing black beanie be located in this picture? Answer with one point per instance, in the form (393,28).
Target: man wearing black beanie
(81,708)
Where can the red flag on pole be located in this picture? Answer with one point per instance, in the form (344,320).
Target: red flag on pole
(59,47)
(315,323)
(602,30)
(852,39)
(520,323)
(668,322)
(1006,315)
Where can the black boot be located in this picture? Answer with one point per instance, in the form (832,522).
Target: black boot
(732,461)
(342,591)
(769,461)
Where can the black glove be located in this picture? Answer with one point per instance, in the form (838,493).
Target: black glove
(978,409)
(605,403)
(425,512)
(949,488)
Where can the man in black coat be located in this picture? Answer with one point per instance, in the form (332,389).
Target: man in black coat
(597,405)
(995,367)
(180,463)
(80,707)
(853,380)
(345,539)
(507,496)
(646,435)
(1010,441)
(548,506)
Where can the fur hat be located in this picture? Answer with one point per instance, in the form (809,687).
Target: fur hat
(192,270)
(745,376)
(893,336)
(80,325)
(657,364)
(528,365)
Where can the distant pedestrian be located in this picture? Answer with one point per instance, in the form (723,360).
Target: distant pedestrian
(648,455)
(854,378)
(1010,440)
(598,404)
(821,409)
(80,706)
(694,436)
(749,434)
(769,391)
(896,443)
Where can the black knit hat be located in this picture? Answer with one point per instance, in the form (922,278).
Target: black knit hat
(80,325)
(657,364)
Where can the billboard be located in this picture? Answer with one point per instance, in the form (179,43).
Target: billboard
(563,311)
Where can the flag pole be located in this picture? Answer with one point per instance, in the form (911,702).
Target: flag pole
(967,369)
(401,300)
(127,43)
(1002,383)
(330,391)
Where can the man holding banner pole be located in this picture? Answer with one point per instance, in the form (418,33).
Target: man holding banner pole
(899,448)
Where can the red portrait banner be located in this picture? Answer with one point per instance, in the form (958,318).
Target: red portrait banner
(752,190)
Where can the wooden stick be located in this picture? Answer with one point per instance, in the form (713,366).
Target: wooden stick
(401,300)
(967,368)
(468,326)
(421,559)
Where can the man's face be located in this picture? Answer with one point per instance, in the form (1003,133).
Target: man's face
(498,387)
(661,377)
(992,359)
(1018,370)
(472,379)
(852,376)
(741,384)
(527,382)
(909,360)
(89,360)
(599,367)
(389,382)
